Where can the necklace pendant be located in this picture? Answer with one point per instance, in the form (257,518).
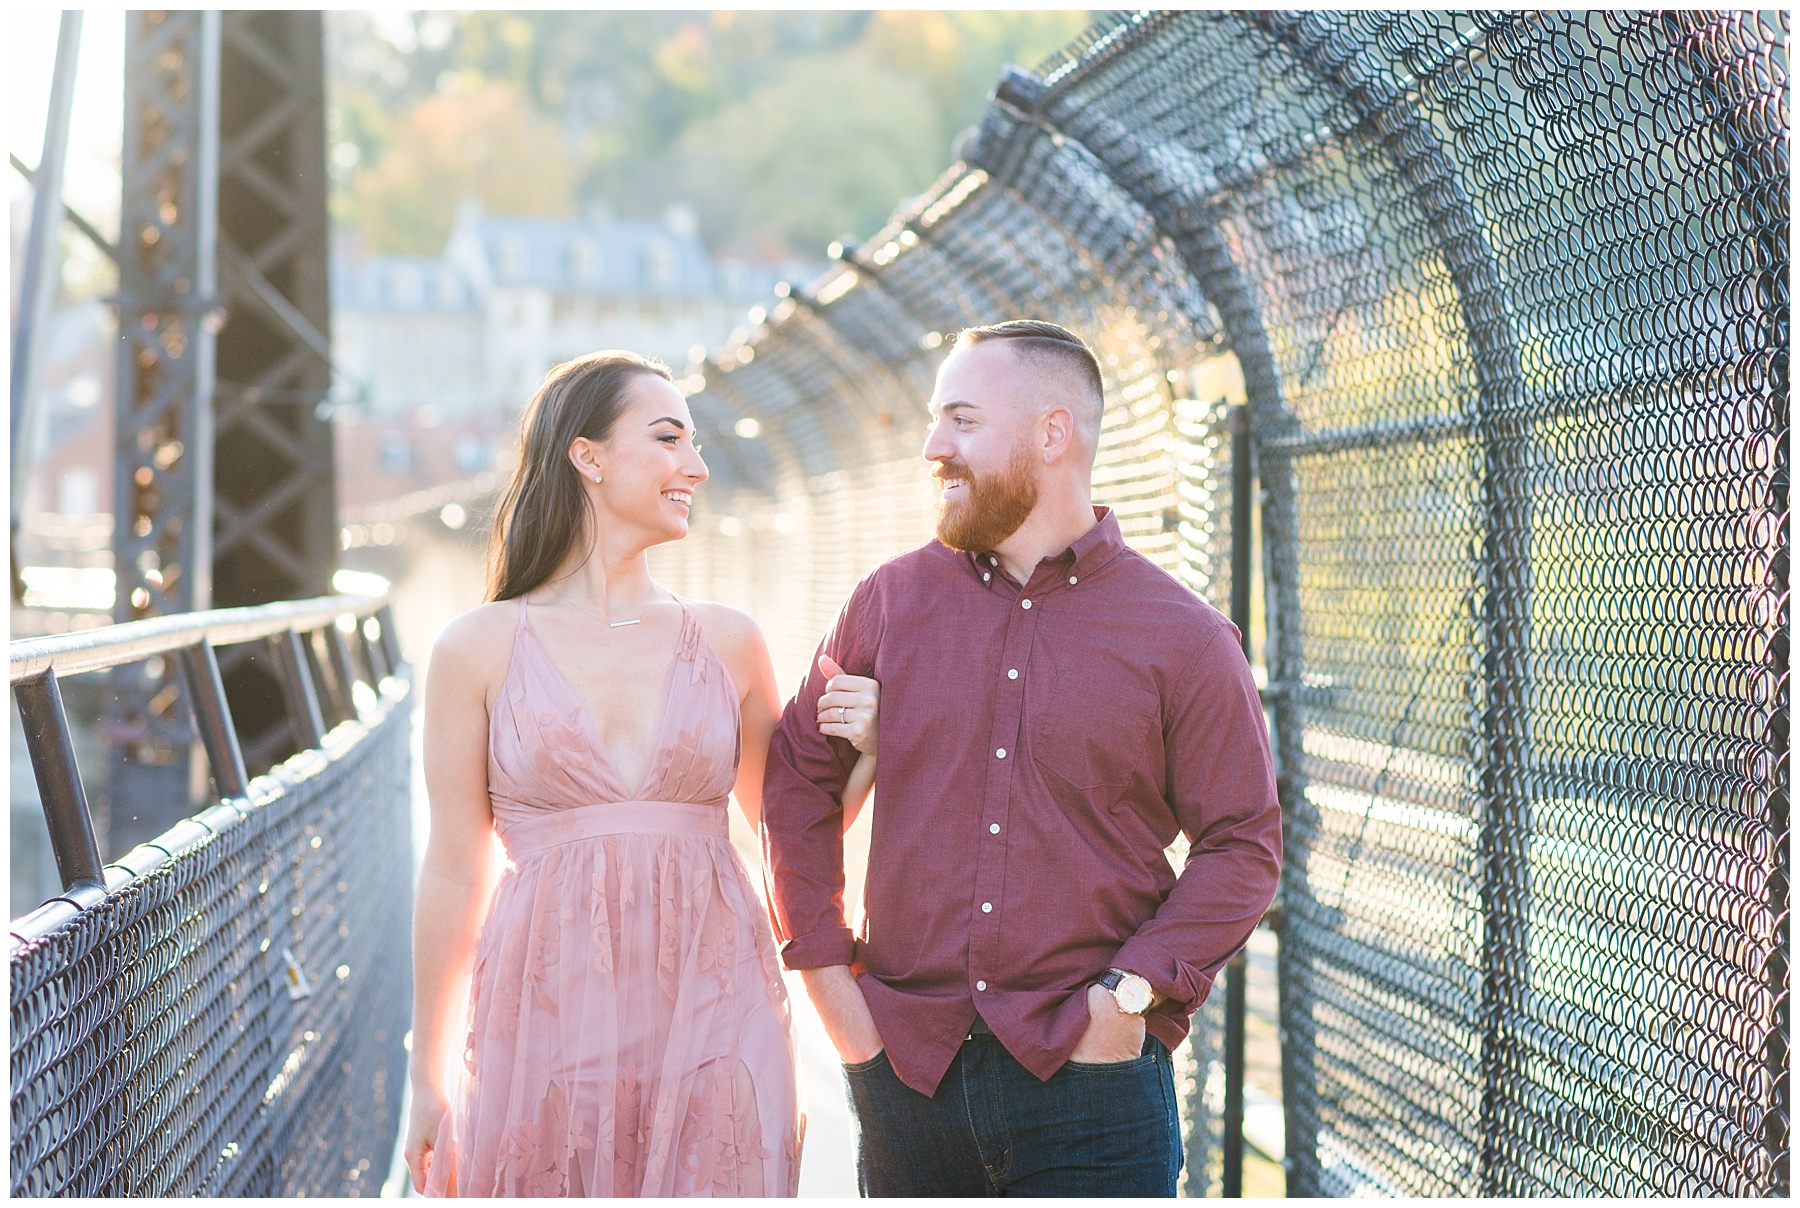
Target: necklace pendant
(616,624)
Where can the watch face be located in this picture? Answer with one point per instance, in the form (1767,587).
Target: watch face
(1133,994)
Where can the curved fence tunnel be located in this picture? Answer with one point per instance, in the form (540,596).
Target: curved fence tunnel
(1507,298)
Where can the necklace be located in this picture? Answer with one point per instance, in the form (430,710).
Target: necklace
(610,624)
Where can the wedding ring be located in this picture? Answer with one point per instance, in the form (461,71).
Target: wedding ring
(843,715)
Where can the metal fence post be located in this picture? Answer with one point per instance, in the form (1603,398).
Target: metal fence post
(331,692)
(59,781)
(295,672)
(374,654)
(212,715)
(1232,1147)
(390,637)
(1243,500)
(343,669)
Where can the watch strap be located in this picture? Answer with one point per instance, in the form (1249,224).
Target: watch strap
(1114,978)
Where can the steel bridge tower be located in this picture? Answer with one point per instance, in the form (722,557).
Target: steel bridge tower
(224,488)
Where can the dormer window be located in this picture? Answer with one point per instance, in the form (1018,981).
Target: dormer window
(584,261)
(662,263)
(404,286)
(511,256)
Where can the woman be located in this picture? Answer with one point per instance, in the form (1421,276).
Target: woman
(627,1031)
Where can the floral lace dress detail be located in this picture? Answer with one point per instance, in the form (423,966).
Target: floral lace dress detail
(628,1032)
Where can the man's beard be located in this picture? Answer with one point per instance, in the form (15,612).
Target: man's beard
(993,508)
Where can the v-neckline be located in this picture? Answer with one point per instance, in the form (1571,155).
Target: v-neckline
(587,718)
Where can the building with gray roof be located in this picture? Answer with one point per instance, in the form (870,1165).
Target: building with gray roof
(474,330)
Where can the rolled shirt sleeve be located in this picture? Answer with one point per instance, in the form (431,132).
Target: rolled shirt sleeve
(802,812)
(1221,788)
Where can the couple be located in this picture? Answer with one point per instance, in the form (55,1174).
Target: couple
(1053,711)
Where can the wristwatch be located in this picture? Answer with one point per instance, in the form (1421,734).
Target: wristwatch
(1131,992)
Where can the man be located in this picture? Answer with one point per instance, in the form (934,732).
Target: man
(1054,709)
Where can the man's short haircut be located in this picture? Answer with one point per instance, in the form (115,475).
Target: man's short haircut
(1046,343)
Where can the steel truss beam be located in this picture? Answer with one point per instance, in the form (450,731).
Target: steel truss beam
(224,488)
(275,528)
(168,322)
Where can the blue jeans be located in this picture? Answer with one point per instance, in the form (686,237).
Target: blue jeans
(994,1129)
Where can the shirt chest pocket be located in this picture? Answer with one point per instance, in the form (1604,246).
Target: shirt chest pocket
(1093,733)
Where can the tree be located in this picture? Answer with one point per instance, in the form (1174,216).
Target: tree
(786,129)
(828,148)
(487,142)
(959,53)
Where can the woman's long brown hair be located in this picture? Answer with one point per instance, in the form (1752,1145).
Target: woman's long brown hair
(542,512)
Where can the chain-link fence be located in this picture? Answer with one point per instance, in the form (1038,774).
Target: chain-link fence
(1507,295)
(229,1019)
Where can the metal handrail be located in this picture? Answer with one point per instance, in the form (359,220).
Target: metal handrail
(96,649)
(36,664)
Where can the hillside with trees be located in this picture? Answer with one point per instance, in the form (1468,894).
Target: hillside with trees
(784,130)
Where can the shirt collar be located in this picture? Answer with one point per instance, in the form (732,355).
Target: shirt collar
(1089,552)
(1099,545)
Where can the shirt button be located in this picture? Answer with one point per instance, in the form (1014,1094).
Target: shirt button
(1071,580)
(1012,673)
(993,561)
(1024,603)
(987,908)
(981,985)
(985,576)
(1000,754)
(993,828)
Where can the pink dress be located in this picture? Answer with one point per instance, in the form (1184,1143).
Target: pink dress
(628,1032)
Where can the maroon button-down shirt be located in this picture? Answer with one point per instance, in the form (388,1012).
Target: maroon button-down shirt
(1040,746)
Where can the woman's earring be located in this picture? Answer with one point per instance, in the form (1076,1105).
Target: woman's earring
(596,478)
